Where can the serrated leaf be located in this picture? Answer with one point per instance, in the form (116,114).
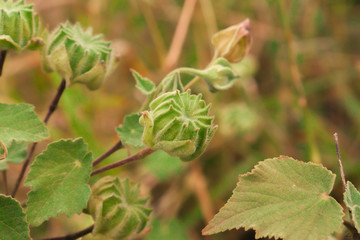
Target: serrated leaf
(163,166)
(352,201)
(282,198)
(19,122)
(12,220)
(58,178)
(351,196)
(145,85)
(131,131)
(16,153)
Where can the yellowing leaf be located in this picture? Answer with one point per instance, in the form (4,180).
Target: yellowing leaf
(282,198)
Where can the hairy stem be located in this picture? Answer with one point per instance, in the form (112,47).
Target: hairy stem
(2,60)
(6,189)
(118,145)
(339,159)
(51,110)
(143,153)
(73,235)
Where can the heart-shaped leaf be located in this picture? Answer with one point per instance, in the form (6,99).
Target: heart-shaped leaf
(282,198)
(58,178)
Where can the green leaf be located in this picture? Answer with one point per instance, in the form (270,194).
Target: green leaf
(16,153)
(145,85)
(351,196)
(163,166)
(19,122)
(170,229)
(58,178)
(352,201)
(12,220)
(131,131)
(282,198)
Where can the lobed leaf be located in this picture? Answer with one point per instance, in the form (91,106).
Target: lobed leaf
(58,178)
(352,201)
(19,122)
(282,198)
(131,131)
(12,220)
(16,153)
(145,85)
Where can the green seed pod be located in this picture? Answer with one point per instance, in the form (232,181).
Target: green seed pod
(179,124)
(117,209)
(19,26)
(77,55)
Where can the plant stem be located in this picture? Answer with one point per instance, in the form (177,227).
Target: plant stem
(51,110)
(6,189)
(154,30)
(143,153)
(339,159)
(55,100)
(73,235)
(2,60)
(297,78)
(179,35)
(118,145)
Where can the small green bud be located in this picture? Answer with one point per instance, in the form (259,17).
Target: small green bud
(117,209)
(234,42)
(179,124)
(19,26)
(219,75)
(77,55)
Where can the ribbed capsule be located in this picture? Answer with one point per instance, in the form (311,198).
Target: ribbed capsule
(19,26)
(178,123)
(77,55)
(118,211)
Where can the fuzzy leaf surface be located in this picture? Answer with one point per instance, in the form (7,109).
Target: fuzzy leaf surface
(282,198)
(12,220)
(16,153)
(19,122)
(145,85)
(131,131)
(352,201)
(58,178)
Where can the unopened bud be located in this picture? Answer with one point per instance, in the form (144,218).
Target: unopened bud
(234,42)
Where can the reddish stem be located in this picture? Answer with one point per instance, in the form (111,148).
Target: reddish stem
(51,110)
(143,153)
(118,145)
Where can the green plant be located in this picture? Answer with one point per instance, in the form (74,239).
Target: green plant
(280,198)
(172,119)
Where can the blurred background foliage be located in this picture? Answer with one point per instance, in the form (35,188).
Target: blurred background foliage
(299,85)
